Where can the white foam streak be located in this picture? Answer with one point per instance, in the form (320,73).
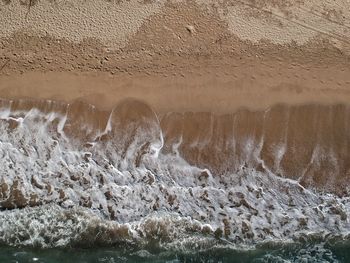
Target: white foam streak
(104,193)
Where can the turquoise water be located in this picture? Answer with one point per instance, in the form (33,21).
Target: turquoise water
(339,252)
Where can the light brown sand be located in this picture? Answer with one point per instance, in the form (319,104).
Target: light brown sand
(221,89)
(176,56)
(203,55)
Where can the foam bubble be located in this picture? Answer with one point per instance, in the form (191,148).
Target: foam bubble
(128,186)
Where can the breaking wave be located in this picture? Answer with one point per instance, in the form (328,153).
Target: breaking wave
(72,175)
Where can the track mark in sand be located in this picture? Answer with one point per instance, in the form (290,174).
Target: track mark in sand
(4,65)
(322,16)
(29,6)
(341,38)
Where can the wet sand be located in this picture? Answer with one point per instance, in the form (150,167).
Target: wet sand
(221,61)
(193,56)
(223,89)
(226,121)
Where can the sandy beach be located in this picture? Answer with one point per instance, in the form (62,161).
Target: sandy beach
(176,56)
(174,131)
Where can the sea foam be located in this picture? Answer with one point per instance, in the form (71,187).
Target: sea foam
(74,176)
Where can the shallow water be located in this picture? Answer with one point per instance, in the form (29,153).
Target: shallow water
(311,252)
(251,186)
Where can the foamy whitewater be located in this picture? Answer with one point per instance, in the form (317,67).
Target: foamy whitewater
(75,177)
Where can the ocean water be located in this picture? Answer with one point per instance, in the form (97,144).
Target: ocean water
(82,185)
(310,252)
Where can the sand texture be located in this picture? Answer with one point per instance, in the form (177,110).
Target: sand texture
(176,55)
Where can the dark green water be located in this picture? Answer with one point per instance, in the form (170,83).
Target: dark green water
(284,253)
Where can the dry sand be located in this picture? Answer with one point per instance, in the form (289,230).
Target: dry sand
(176,55)
(196,55)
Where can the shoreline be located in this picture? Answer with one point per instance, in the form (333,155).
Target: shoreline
(176,56)
(216,92)
(175,125)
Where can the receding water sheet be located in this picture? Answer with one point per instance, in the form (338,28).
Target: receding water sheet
(174,131)
(74,176)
